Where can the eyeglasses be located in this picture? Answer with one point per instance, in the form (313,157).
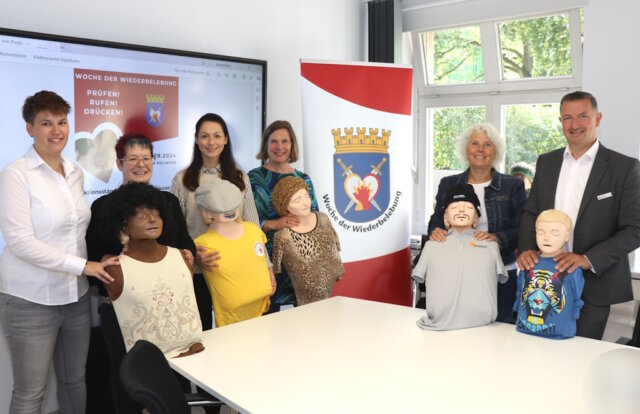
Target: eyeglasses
(131,161)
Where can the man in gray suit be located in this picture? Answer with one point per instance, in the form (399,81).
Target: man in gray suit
(600,190)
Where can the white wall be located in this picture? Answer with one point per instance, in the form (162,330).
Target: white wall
(611,63)
(278,31)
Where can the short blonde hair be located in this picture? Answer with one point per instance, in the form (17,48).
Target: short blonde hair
(284,190)
(555,216)
(494,136)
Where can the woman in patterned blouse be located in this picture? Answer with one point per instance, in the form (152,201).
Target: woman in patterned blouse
(278,149)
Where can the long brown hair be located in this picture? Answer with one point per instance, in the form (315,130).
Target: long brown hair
(228,169)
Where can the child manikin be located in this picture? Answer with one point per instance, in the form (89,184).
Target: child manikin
(548,303)
(152,292)
(242,281)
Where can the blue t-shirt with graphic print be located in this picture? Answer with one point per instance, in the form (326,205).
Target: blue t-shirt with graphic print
(548,303)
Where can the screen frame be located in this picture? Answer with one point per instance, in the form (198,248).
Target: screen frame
(148,49)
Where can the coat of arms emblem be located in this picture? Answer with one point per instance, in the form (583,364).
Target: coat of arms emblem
(155,110)
(361,173)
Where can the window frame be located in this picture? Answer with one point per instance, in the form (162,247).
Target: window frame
(493,82)
(424,149)
(493,93)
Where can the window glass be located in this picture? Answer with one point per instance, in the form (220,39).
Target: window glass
(582,27)
(453,55)
(448,124)
(535,48)
(531,130)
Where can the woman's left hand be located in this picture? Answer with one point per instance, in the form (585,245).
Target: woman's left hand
(96,269)
(207,258)
(188,255)
(485,235)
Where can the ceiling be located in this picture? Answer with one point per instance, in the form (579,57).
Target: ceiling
(416,4)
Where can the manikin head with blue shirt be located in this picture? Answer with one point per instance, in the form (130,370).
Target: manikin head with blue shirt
(579,117)
(553,228)
(461,208)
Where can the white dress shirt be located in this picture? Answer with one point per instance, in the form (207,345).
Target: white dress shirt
(43,218)
(571,184)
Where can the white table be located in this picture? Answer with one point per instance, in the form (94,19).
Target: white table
(356,356)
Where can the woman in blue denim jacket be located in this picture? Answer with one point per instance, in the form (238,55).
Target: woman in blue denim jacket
(501,197)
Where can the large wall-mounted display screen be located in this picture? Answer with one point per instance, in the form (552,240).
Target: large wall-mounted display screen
(119,88)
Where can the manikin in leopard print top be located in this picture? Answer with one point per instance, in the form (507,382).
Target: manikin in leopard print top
(310,251)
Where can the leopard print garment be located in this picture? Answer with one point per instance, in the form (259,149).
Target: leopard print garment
(312,259)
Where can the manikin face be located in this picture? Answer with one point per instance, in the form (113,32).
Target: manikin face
(300,203)
(551,236)
(279,146)
(210,216)
(211,140)
(50,133)
(136,165)
(460,215)
(145,224)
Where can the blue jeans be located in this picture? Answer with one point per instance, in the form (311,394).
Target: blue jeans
(36,335)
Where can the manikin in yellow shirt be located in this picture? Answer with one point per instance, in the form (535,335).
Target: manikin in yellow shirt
(242,282)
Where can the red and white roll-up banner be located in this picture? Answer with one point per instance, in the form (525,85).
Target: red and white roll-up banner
(357,150)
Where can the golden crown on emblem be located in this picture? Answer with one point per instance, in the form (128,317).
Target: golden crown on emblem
(155,98)
(361,142)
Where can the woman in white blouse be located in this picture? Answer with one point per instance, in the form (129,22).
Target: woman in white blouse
(44,300)
(211,155)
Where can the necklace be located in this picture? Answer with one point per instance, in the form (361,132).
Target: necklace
(211,171)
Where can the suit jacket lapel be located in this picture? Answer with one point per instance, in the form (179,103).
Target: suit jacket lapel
(600,164)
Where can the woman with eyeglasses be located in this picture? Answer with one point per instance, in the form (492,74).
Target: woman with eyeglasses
(212,155)
(44,299)
(134,157)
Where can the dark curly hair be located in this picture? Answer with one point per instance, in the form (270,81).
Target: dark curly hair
(123,203)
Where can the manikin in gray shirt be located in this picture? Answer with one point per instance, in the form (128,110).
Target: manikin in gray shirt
(461,273)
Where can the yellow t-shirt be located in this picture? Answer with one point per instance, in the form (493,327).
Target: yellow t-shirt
(240,286)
